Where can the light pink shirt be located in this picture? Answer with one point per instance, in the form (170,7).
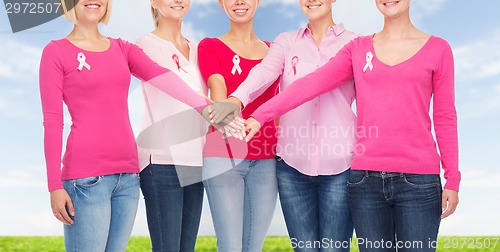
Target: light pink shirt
(171,131)
(316,138)
(394,126)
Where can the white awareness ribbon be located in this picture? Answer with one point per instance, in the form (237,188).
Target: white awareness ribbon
(81,58)
(236,66)
(369,58)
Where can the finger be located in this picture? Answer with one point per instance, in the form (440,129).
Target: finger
(238,134)
(220,128)
(65,218)
(227,133)
(235,127)
(450,209)
(210,111)
(251,133)
(444,203)
(219,117)
(71,208)
(243,133)
(240,120)
(59,214)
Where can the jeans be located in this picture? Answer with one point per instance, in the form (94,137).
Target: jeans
(173,212)
(105,209)
(242,202)
(316,209)
(395,211)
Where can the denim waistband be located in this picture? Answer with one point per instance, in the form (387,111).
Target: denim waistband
(381,174)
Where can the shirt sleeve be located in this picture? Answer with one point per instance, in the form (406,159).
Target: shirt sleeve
(264,74)
(165,80)
(51,76)
(445,118)
(337,71)
(208,59)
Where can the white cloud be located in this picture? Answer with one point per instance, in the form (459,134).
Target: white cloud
(19,61)
(190,32)
(285,12)
(479,179)
(423,8)
(28,177)
(363,20)
(479,59)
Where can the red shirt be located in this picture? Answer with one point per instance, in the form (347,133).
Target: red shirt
(215,57)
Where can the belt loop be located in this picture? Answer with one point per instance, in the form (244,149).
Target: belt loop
(366,174)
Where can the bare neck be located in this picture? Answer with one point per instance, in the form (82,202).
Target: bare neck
(85,32)
(170,30)
(243,33)
(319,28)
(399,28)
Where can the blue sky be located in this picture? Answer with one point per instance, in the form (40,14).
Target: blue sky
(473,30)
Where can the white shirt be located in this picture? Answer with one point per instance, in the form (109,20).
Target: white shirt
(171,132)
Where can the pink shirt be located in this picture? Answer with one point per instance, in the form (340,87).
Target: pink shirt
(178,128)
(394,126)
(318,137)
(94,86)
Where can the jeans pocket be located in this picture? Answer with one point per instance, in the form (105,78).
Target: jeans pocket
(422,180)
(88,182)
(356,178)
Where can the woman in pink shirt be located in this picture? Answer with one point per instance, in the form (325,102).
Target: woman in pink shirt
(171,172)
(239,177)
(96,193)
(312,163)
(395,194)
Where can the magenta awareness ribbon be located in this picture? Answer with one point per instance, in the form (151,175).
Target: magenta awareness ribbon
(175,58)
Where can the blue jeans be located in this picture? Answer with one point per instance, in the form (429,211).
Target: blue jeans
(316,209)
(173,211)
(242,202)
(395,211)
(105,209)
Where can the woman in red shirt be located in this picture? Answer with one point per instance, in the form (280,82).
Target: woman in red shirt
(239,177)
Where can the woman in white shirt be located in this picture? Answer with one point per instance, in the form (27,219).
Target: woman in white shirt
(171,140)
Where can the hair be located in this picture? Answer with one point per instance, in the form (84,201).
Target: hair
(156,16)
(69,11)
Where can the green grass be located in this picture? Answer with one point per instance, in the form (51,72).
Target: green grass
(207,244)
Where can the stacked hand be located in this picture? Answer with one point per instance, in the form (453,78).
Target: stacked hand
(225,116)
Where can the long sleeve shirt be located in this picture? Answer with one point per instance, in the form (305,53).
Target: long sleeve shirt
(171,131)
(94,86)
(393,103)
(317,137)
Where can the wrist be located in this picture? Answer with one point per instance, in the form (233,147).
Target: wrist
(235,100)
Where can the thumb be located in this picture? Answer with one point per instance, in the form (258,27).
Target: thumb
(444,203)
(250,134)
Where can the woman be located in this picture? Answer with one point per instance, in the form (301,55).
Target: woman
(395,192)
(239,177)
(96,193)
(171,174)
(311,184)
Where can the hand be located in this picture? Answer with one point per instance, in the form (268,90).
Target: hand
(252,126)
(231,121)
(229,108)
(59,202)
(236,129)
(449,203)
